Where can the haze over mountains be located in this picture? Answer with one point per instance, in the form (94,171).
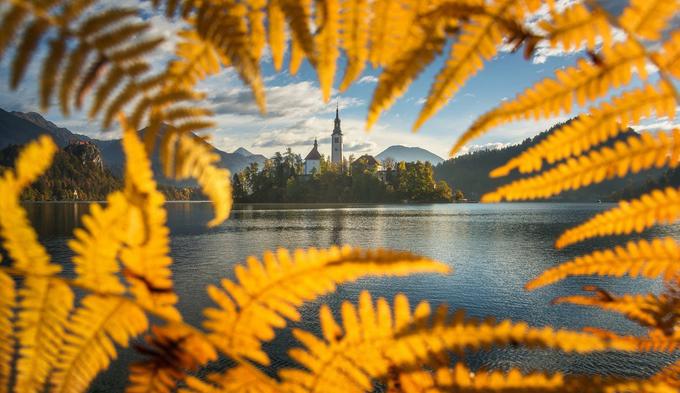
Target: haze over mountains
(18,128)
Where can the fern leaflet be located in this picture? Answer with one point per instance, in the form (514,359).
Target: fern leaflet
(658,258)
(269,292)
(635,154)
(629,216)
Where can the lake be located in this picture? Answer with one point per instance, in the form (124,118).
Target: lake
(493,249)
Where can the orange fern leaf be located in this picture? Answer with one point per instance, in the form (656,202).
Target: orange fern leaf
(639,308)
(658,258)
(479,41)
(374,339)
(18,236)
(584,82)
(429,40)
(648,18)
(629,216)
(327,44)
(172,351)
(269,292)
(198,159)
(575,25)
(600,124)
(94,329)
(44,309)
(239,379)
(668,58)
(354,38)
(7,304)
(276,32)
(147,244)
(97,245)
(633,155)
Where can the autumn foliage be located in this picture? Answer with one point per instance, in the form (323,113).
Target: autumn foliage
(57,332)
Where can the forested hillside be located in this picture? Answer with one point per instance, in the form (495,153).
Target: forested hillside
(470,173)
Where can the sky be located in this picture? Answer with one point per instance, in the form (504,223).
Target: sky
(297,115)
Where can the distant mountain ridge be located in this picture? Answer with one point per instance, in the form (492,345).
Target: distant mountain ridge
(470,173)
(18,128)
(409,154)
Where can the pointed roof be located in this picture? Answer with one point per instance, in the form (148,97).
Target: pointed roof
(314,154)
(336,129)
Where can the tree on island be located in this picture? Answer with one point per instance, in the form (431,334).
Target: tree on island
(282,179)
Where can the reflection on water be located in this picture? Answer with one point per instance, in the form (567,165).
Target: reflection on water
(493,249)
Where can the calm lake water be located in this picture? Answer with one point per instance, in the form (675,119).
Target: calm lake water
(493,249)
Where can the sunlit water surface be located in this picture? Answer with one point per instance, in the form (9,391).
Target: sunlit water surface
(493,249)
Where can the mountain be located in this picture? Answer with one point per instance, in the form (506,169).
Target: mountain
(470,173)
(242,151)
(18,128)
(409,154)
(76,173)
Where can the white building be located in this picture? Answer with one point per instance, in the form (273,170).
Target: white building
(313,160)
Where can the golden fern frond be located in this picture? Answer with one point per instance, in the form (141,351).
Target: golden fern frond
(18,236)
(276,32)
(239,379)
(375,339)
(384,38)
(427,41)
(478,41)
(629,216)
(198,59)
(460,378)
(327,40)
(224,25)
(256,16)
(354,26)
(576,25)
(50,68)
(581,83)
(600,124)
(7,305)
(635,154)
(45,304)
(44,309)
(269,292)
(98,244)
(655,341)
(171,351)
(639,308)
(658,258)
(12,20)
(648,18)
(669,56)
(146,244)
(25,50)
(93,330)
(197,159)
(298,14)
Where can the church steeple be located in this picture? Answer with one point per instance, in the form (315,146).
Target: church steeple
(336,129)
(336,139)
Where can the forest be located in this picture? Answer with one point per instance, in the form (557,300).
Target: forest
(282,180)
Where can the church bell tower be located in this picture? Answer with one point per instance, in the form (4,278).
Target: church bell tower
(336,140)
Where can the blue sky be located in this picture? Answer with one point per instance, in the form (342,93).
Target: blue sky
(296,114)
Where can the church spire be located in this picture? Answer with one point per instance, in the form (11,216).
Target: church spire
(336,129)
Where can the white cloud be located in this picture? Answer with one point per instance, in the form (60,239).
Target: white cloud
(367,79)
(483,147)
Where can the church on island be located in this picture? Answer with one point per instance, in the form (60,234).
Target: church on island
(313,159)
